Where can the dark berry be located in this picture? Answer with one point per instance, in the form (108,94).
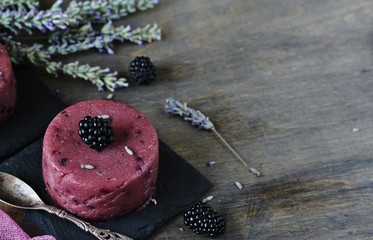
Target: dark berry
(142,70)
(204,220)
(96,132)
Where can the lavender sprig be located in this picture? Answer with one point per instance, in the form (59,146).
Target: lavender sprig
(17,4)
(77,13)
(20,53)
(36,54)
(102,78)
(43,20)
(198,119)
(86,38)
(140,34)
(100,11)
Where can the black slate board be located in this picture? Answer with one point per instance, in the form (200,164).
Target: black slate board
(35,108)
(178,186)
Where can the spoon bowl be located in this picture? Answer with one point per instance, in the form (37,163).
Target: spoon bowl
(16,193)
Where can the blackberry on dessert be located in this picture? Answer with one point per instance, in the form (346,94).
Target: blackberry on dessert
(96,132)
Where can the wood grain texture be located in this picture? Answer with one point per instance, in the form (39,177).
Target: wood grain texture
(285,82)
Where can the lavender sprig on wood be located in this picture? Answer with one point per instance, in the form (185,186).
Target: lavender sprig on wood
(17,4)
(102,78)
(199,120)
(76,13)
(42,20)
(35,54)
(100,11)
(70,30)
(86,38)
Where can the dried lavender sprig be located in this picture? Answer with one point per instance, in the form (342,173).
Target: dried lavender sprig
(17,4)
(72,40)
(35,54)
(76,13)
(197,118)
(86,38)
(20,53)
(140,34)
(43,20)
(100,11)
(102,78)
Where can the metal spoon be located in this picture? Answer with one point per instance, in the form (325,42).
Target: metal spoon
(16,193)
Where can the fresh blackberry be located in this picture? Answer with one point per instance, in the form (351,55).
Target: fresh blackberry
(203,219)
(142,70)
(96,132)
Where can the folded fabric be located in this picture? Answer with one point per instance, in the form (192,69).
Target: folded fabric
(10,230)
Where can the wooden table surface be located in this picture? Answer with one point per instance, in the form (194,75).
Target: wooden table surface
(288,83)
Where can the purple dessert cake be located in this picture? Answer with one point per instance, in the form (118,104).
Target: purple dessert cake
(7,86)
(106,182)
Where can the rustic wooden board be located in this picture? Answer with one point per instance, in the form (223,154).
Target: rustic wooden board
(286,82)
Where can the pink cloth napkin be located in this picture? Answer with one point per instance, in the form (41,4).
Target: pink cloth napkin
(10,230)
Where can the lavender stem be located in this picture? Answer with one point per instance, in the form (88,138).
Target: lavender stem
(229,147)
(253,170)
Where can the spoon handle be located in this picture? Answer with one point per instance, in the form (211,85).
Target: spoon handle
(99,233)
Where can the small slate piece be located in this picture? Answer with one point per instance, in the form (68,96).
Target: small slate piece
(35,108)
(179,185)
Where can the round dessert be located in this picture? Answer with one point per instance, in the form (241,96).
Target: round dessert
(7,86)
(107,182)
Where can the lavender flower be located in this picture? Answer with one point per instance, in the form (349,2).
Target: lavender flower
(48,20)
(198,119)
(86,38)
(138,35)
(102,11)
(37,55)
(102,78)
(14,4)
(20,53)
(70,30)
